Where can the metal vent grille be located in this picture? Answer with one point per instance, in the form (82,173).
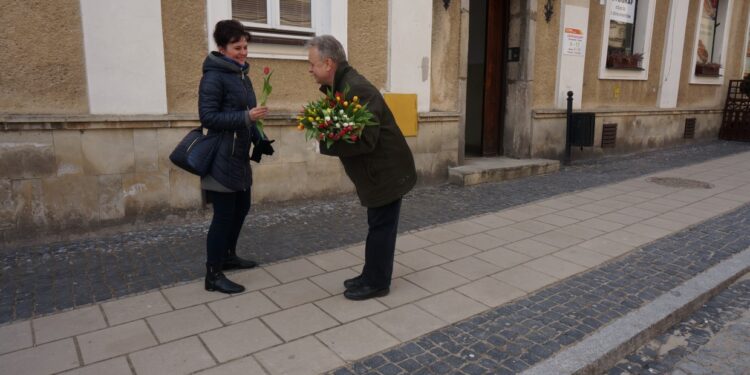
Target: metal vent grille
(689,128)
(609,135)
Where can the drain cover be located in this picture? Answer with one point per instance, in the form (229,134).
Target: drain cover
(676,182)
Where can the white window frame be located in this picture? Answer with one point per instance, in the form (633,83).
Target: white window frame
(744,51)
(724,7)
(644,27)
(327,17)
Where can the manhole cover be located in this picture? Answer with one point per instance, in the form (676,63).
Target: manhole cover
(680,182)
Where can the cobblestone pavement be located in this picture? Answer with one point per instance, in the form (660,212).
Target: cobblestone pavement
(36,280)
(513,337)
(713,340)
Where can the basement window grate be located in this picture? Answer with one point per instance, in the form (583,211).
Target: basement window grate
(609,135)
(689,128)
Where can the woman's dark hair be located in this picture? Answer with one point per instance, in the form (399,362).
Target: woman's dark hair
(229,31)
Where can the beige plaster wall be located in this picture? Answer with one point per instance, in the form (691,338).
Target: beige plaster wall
(693,95)
(185,48)
(546,44)
(635,131)
(41,59)
(368,39)
(446,33)
(606,93)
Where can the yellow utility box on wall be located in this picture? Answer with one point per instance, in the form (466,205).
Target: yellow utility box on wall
(404,108)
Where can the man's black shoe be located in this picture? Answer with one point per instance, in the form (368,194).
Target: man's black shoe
(354,282)
(365,292)
(237,263)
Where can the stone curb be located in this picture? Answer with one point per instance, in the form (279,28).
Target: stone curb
(602,350)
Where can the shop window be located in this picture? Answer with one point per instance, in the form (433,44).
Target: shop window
(625,49)
(710,41)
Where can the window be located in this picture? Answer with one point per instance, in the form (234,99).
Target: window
(710,41)
(280,28)
(286,22)
(628,25)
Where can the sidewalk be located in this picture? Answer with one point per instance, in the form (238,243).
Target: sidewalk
(294,320)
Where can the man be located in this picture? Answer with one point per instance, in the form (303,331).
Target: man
(380,165)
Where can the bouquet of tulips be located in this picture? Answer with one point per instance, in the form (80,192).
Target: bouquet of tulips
(334,118)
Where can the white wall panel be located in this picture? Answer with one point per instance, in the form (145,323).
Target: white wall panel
(409,49)
(124,52)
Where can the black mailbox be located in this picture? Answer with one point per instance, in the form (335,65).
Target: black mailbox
(582,129)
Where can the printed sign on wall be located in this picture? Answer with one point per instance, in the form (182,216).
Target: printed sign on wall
(573,42)
(622,11)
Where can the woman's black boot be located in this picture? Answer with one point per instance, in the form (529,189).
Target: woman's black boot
(233,262)
(216,281)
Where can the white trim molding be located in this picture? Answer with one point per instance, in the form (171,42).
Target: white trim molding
(673,50)
(644,26)
(724,18)
(410,49)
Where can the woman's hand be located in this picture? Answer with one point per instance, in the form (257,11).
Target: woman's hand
(257,113)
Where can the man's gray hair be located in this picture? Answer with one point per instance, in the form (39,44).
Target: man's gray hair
(328,47)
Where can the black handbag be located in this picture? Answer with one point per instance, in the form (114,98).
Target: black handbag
(196,152)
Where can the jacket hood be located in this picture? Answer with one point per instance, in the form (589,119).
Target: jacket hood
(215,62)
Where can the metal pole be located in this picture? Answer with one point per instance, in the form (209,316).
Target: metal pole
(568,128)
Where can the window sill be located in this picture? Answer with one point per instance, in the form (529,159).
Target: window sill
(628,68)
(708,75)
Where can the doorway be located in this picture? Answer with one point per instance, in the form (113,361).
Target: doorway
(486,84)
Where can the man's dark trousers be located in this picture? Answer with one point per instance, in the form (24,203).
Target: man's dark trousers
(381,244)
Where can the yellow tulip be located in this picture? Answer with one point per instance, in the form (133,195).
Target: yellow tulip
(355,99)
(310,119)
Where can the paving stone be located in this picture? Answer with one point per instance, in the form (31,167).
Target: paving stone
(491,292)
(115,341)
(15,336)
(555,267)
(333,282)
(420,259)
(295,293)
(44,359)
(137,307)
(503,258)
(296,322)
(357,339)
(182,323)
(179,357)
(471,268)
(492,221)
(452,250)
(190,295)
(335,260)
(582,256)
(239,340)
(294,270)
(68,324)
(409,242)
(301,357)
(481,241)
(436,279)
(451,306)
(437,235)
(402,292)
(242,307)
(525,278)
(242,366)
(115,366)
(345,310)
(407,322)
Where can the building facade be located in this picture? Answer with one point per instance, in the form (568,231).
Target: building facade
(94,94)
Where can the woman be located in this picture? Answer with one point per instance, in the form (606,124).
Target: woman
(227,105)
